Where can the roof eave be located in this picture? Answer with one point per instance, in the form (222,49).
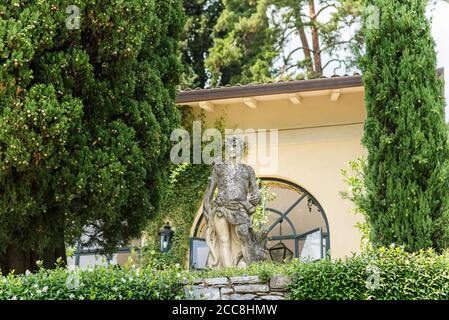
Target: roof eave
(252,90)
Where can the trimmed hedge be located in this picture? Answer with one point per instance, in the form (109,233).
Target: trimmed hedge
(98,284)
(384,274)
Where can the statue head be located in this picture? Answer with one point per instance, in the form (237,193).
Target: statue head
(234,147)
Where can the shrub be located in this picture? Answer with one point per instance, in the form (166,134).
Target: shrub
(101,283)
(322,280)
(384,274)
(265,270)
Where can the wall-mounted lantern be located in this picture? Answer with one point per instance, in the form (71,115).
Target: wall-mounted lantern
(166,235)
(280,253)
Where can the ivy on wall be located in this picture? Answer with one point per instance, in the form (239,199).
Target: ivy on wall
(181,199)
(182,193)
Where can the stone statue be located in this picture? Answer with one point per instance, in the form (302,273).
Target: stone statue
(230,236)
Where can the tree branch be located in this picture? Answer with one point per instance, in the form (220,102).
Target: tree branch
(324,8)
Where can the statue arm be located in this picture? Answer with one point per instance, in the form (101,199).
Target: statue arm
(253,188)
(209,194)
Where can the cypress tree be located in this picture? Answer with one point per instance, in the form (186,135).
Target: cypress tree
(85,120)
(405,131)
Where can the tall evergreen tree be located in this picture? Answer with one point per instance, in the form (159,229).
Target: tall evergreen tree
(201,17)
(258,40)
(85,120)
(405,132)
(244,44)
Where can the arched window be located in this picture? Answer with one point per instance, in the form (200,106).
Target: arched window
(297,225)
(297,221)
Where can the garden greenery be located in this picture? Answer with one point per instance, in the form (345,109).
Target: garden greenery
(382,274)
(260,217)
(182,192)
(101,283)
(356,193)
(377,274)
(406,136)
(85,122)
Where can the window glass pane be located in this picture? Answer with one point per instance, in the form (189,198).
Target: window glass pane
(200,251)
(311,247)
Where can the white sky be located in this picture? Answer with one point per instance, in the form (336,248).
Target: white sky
(440,32)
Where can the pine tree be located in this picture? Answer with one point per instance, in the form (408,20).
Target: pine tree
(244,45)
(201,17)
(405,132)
(85,119)
(259,40)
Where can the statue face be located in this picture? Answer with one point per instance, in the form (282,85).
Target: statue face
(234,147)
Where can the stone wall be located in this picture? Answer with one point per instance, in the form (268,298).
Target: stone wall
(237,288)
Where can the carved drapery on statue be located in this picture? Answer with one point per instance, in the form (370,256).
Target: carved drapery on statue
(230,235)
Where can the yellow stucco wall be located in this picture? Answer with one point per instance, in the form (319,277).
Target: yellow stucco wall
(317,138)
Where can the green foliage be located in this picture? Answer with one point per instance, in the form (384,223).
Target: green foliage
(406,175)
(259,218)
(356,193)
(182,195)
(243,49)
(384,274)
(180,202)
(202,15)
(182,192)
(85,121)
(265,270)
(100,283)
(329,280)
(256,41)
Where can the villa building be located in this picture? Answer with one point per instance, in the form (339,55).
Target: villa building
(319,127)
